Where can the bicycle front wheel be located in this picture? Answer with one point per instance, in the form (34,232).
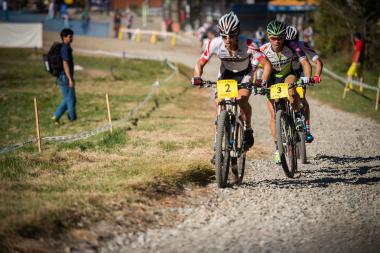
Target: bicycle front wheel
(285,144)
(222,151)
(301,147)
(238,163)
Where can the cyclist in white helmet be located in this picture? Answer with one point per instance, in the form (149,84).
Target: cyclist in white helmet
(239,57)
(292,37)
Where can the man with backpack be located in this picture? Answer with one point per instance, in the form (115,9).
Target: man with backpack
(65,78)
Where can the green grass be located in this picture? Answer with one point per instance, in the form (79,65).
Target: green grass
(105,142)
(18,86)
(45,194)
(331,91)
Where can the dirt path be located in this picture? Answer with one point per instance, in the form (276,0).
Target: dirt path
(334,206)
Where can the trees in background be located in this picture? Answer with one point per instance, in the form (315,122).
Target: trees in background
(338,20)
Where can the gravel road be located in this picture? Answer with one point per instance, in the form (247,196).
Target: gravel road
(334,205)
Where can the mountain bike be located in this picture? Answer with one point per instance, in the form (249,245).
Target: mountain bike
(288,138)
(301,146)
(229,137)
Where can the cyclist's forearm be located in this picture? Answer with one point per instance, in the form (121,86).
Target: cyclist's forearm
(319,68)
(306,68)
(198,70)
(267,70)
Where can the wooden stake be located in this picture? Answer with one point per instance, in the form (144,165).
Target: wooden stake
(345,89)
(361,85)
(109,112)
(37,124)
(377,95)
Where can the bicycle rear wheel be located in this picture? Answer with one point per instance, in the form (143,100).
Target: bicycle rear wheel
(222,151)
(301,147)
(238,163)
(285,144)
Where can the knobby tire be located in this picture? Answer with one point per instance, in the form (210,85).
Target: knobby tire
(287,151)
(222,154)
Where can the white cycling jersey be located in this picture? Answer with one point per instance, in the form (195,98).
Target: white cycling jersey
(282,61)
(244,61)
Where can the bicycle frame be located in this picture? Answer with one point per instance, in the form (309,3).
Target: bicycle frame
(230,105)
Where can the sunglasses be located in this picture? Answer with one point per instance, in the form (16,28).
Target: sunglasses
(276,38)
(232,36)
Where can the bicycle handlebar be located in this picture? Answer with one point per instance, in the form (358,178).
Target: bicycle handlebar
(212,84)
(258,90)
(299,83)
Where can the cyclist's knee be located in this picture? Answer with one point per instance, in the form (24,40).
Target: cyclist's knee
(292,92)
(243,102)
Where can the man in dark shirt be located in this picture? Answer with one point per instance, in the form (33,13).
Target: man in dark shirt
(66,79)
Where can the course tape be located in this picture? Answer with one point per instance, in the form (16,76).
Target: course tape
(74,137)
(100,129)
(16,146)
(344,80)
(155,86)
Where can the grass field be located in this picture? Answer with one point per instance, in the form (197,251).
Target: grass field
(331,91)
(71,185)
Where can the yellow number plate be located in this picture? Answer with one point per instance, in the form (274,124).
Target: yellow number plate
(300,91)
(227,89)
(279,90)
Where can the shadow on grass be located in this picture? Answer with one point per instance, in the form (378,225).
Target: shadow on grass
(197,173)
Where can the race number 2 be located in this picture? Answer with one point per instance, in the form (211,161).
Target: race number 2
(227,89)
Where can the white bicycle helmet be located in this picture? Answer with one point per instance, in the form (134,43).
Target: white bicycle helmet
(291,32)
(229,24)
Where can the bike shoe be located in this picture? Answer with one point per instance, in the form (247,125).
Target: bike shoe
(299,124)
(276,157)
(309,138)
(248,139)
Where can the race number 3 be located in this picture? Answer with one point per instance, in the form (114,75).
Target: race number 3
(279,90)
(227,89)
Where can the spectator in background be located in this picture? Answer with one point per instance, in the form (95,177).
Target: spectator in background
(202,31)
(116,22)
(259,37)
(308,36)
(85,20)
(5,10)
(128,21)
(51,10)
(106,6)
(211,33)
(168,23)
(356,68)
(65,79)
(62,9)
(66,20)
